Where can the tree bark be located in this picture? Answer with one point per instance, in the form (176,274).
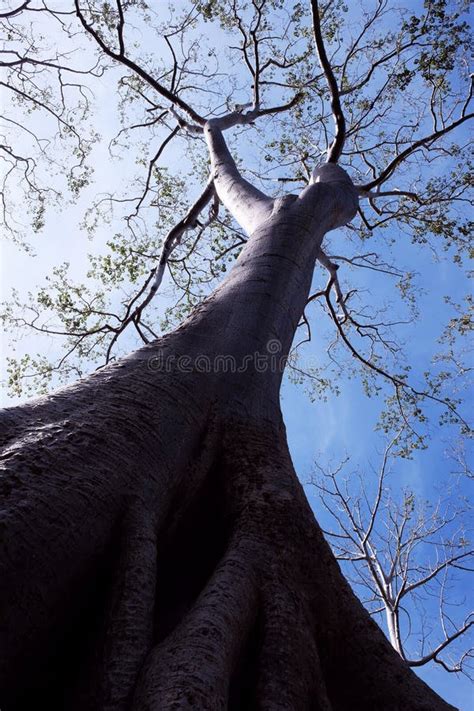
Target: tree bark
(157,549)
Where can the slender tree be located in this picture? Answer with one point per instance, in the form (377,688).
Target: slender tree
(158,551)
(403,553)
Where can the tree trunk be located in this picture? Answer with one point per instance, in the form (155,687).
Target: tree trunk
(157,549)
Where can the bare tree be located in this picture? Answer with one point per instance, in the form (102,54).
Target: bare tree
(404,553)
(158,551)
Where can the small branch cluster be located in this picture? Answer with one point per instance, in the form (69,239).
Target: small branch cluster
(374,333)
(402,555)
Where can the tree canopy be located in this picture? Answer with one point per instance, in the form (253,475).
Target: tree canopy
(103,153)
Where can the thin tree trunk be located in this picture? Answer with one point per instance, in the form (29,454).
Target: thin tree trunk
(157,549)
(393,623)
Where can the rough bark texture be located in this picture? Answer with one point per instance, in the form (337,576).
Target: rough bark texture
(157,549)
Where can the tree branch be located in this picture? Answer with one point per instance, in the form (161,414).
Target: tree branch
(16,11)
(142,73)
(388,171)
(432,655)
(335,150)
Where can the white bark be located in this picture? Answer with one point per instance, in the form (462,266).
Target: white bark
(249,207)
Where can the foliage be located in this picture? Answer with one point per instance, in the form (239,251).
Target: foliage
(102,112)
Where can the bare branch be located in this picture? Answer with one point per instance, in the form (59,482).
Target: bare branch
(388,171)
(335,150)
(16,11)
(432,656)
(174,236)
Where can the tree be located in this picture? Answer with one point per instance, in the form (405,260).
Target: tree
(402,552)
(158,550)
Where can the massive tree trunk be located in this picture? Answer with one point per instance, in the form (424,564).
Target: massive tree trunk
(157,549)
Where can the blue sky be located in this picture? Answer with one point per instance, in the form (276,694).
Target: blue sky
(345,426)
